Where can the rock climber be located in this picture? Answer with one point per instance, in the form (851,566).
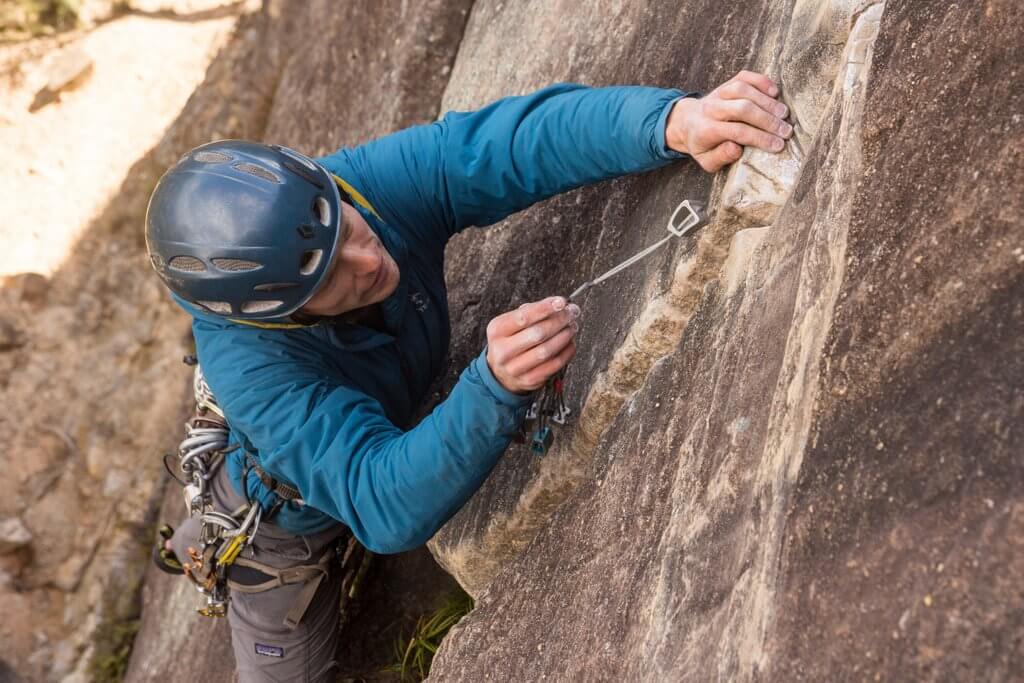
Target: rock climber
(317,292)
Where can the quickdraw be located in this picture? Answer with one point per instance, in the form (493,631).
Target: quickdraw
(549,406)
(222,536)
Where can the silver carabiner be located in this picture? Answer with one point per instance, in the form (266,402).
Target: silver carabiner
(695,217)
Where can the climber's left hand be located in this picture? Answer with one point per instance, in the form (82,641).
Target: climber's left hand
(713,129)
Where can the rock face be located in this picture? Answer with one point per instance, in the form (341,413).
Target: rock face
(645,310)
(13,535)
(96,392)
(799,455)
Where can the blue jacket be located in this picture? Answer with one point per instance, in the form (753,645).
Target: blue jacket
(328,407)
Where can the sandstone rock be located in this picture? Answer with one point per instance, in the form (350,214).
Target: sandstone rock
(67,71)
(10,338)
(68,575)
(7,674)
(13,534)
(821,480)
(92,12)
(758,185)
(652,307)
(29,288)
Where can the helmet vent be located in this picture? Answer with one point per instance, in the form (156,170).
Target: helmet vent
(274,286)
(259,172)
(322,211)
(303,171)
(310,260)
(298,157)
(211,157)
(221,307)
(189,264)
(234,265)
(260,306)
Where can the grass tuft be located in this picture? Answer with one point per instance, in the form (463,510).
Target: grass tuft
(22,19)
(415,653)
(113,644)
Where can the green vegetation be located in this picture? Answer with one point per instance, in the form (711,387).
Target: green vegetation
(414,654)
(113,650)
(21,19)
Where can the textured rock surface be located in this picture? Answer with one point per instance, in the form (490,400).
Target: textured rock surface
(13,535)
(642,315)
(96,392)
(821,478)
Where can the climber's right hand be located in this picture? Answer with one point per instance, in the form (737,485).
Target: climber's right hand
(743,111)
(530,344)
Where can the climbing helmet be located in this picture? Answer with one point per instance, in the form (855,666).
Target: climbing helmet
(243,229)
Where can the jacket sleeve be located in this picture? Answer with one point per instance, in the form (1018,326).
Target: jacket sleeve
(475,168)
(394,489)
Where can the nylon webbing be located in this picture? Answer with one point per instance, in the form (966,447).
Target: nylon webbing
(310,574)
(281,489)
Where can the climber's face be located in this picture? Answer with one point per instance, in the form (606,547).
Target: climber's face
(362,272)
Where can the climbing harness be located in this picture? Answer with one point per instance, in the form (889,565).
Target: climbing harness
(549,405)
(222,536)
(220,565)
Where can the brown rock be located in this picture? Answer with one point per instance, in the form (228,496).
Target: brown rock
(822,480)
(68,574)
(10,338)
(13,535)
(31,288)
(650,305)
(70,69)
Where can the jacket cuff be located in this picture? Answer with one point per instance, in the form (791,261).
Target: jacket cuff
(661,143)
(500,393)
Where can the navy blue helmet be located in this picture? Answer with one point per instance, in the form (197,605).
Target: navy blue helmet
(244,230)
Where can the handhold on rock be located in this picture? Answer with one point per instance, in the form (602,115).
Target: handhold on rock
(13,535)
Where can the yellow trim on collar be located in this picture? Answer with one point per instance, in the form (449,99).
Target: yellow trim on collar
(356,196)
(267,325)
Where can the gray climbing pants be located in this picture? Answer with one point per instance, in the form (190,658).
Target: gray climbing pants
(266,649)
